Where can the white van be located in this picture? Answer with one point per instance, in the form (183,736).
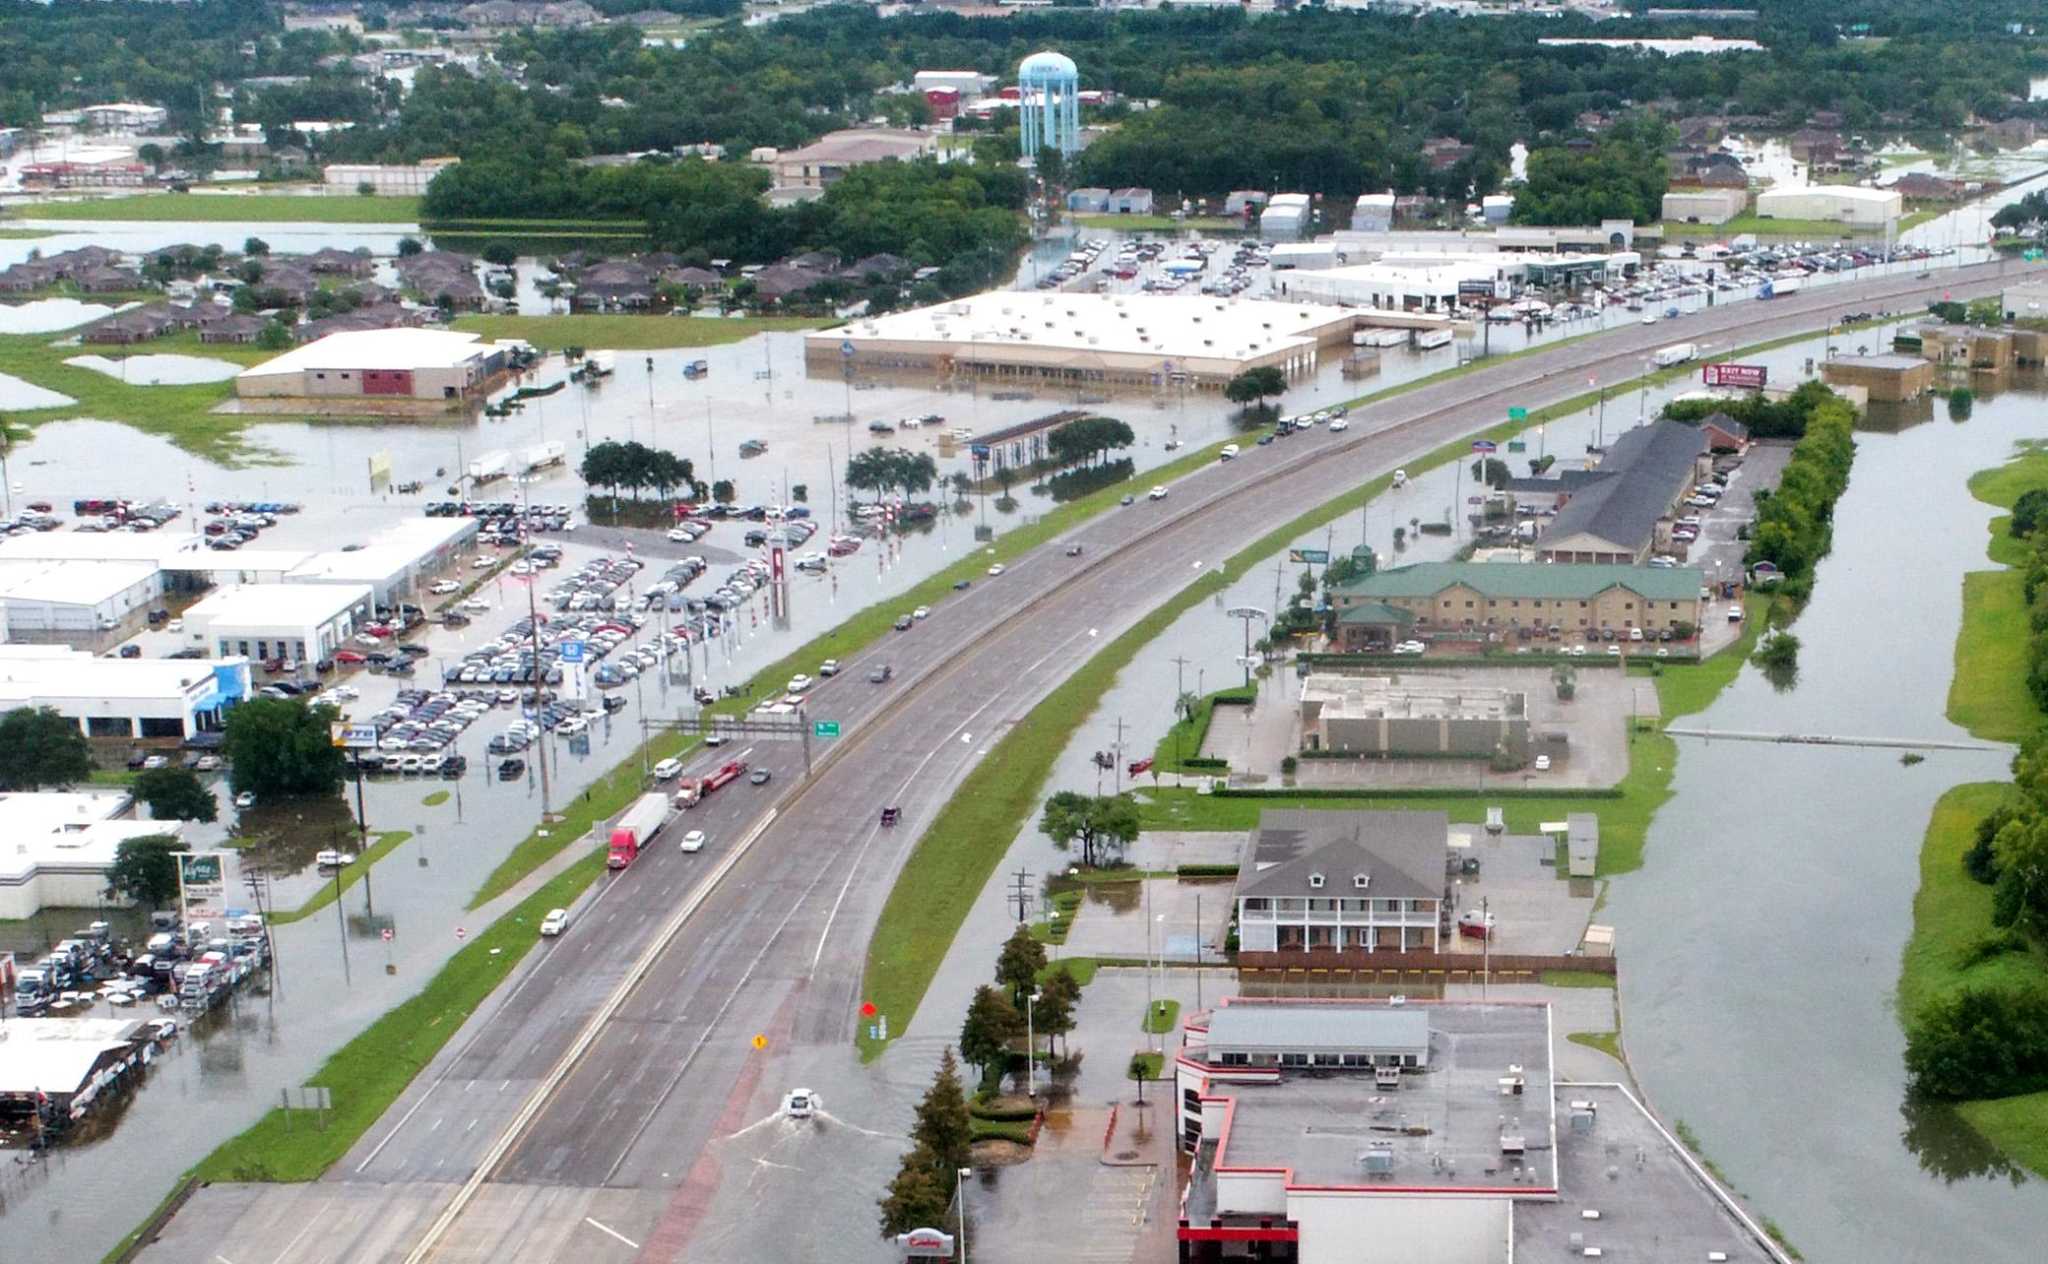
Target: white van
(1400,478)
(1229,451)
(667,769)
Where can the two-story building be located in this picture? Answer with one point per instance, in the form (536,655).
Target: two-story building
(1439,597)
(1362,881)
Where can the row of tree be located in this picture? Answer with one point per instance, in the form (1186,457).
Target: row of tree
(884,470)
(1795,522)
(1621,176)
(1087,440)
(636,467)
(1764,416)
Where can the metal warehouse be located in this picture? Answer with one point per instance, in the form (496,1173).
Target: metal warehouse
(305,622)
(393,363)
(1128,339)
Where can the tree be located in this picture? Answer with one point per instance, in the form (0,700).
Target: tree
(2029,512)
(1051,166)
(1980,1041)
(992,1022)
(2020,896)
(1057,1002)
(1566,680)
(722,491)
(39,747)
(1491,471)
(274,336)
(1780,650)
(918,1198)
(801,493)
(1018,966)
(943,1128)
(145,870)
(501,253)
(1255,385)
(1139,1070)
(176,794)
(409,246)
(1104,824)
(280,747)
(151,153)
(255,246)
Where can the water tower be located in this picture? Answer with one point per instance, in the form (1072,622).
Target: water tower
(1049,91)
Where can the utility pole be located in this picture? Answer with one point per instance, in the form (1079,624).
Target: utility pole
(362,836)
(540,748)
(1117,773)
(1019,890)
(1180,690)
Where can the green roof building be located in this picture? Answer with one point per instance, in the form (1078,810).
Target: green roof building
(1450,597)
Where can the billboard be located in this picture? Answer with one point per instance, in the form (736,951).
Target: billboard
(1312,556)
(353,736)
(1746,376)
(202,886)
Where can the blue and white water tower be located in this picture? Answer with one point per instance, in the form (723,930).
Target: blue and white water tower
(1049,92)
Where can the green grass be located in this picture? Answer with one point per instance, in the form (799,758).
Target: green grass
(999,1130)
(2017,1126)
(435,799)
(1821,229)
(1952,911)
(182,414)
(1081,968)
(1988,693)
(24,234)
(266,208)
(1159,223)
(1577,979)
(1161,1018)
(368,1073)
(1607,1042)
(1154,1065)
(1184,739)
(330,891)
(123,777)
(628,333)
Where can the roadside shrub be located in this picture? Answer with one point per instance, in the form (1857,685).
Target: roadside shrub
(1205,871)
(1288,764)
(1991,947)
(1977,1042)
(1981,861)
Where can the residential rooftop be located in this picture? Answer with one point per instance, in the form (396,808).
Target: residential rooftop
(1400,853)
(1376,697)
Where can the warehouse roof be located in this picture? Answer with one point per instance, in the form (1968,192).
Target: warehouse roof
(55,1055)
(70,583)
(1546,580)
(1838,192)
(390,551)
(254,604)
(1648,467)
(387,349)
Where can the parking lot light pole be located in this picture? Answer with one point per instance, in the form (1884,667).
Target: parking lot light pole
(960,1192)
(362,838)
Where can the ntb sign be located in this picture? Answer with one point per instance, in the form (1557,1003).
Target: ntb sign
(1749,377)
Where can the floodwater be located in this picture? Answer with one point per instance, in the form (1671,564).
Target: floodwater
(15,393)
(48,315)
(159,370)
(1763,936)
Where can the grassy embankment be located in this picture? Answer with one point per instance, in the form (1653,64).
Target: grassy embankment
(230,208)
(628,333)
(954,857)
(1951,910)
(1814,230)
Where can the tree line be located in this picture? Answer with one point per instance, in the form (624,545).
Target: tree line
(1795,521)
(883,470)
(636,467)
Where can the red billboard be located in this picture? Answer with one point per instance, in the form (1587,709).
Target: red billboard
(1746,376)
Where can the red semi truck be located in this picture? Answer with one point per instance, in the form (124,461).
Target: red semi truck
(636,828)
(690,791)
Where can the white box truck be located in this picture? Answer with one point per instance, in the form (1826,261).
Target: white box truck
(542,455)
(490,467)
(1676,353)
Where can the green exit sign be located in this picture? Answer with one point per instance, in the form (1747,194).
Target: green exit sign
(825,728)
(1518,414)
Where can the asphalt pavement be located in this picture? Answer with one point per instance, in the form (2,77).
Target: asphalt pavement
(613,1103)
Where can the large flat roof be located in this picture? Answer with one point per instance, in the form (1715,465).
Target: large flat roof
(67,830)
(1443,1127)
(1654,1202)
(392,349)
(26,676)
(70,583)
(1144,326)
(1838,192)
(55,1055)
(1307,1027)
(388,552)
(255,604)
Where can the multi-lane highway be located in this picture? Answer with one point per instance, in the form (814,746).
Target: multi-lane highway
(610,1104)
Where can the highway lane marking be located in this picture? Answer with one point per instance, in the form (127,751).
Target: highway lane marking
(584,1039)
(503,1007)
(608,1230)
(874,831)
(303,1231)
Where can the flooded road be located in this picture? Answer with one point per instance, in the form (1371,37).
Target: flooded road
(1762,937)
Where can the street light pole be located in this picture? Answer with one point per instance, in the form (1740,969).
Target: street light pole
(1030,1046)
(960,1191)
(362,838)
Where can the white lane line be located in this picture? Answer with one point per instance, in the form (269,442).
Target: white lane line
(303,1231)
(819,953)
(404,1119)
(611,1232)
(224,1259)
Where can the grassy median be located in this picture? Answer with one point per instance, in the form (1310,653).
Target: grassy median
(330,891)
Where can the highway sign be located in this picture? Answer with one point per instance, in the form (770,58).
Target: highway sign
(825,728)
(1308,555)
(1518,414)
(572,651)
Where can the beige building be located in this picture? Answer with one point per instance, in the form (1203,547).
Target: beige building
(1473,596)
(1885,378)
(1966,346)
(408,180)
(1372,715)
(391,363)
(1850,205)
(829,157)
(1705,206)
